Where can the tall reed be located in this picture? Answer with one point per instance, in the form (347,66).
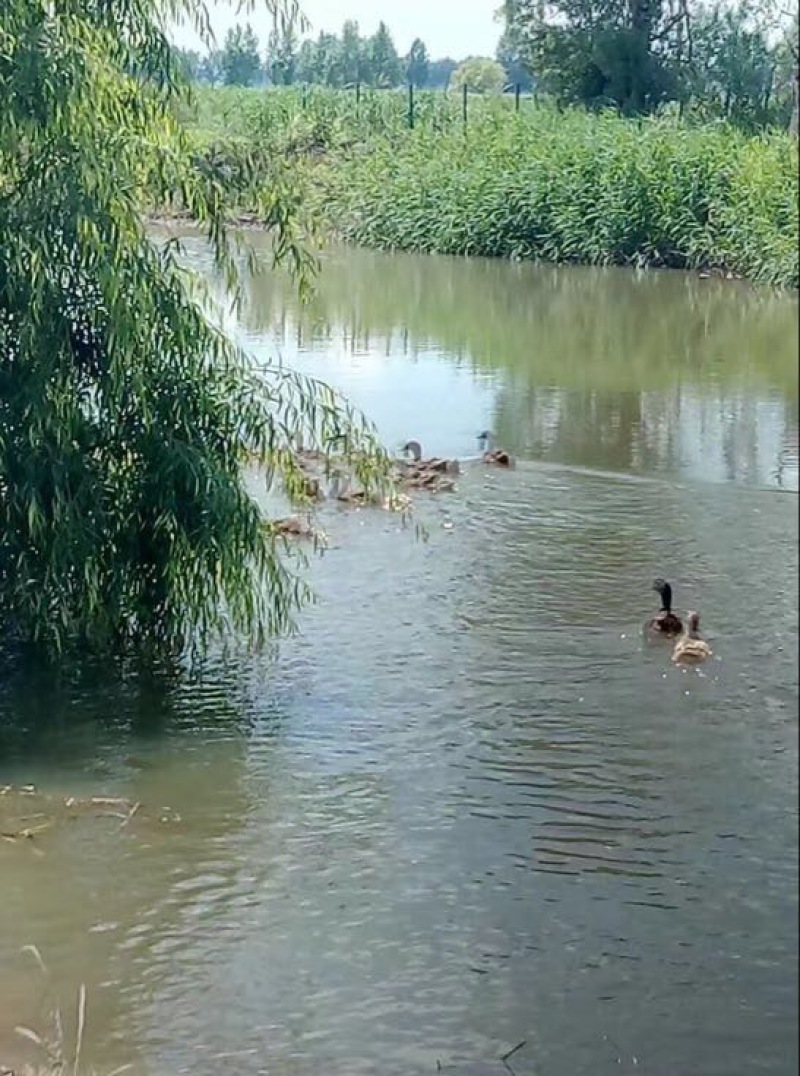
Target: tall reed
(561,186)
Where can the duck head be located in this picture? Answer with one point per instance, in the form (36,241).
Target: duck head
(486,440)
(692,622)
(660,586)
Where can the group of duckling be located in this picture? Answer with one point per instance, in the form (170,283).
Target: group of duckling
(690,647)
(413,471)
(437,475)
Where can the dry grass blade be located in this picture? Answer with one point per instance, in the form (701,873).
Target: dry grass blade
(31,1035)
(130,815)
(37,957)
(81,1027)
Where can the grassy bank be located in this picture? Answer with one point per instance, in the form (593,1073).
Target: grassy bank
(538,184)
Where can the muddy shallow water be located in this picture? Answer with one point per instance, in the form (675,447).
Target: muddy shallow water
(466,806)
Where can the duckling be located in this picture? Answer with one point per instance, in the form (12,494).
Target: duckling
(342,491)
(497,456)
(432,481)
(691,649)
(442,466)
(293,526)
(665,622)
(306,456)
(309,488)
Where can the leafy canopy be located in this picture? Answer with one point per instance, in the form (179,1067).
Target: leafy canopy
(239,59)
(734,59)
(124,412)
(479,75)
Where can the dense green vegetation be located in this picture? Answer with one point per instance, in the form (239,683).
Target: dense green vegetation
(124,412)
(559,185)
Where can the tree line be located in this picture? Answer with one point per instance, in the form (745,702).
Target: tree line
(338,60)
(720,60)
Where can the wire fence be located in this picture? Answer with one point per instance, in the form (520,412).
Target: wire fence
(367,106)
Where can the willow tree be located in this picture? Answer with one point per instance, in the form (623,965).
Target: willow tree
(124,411)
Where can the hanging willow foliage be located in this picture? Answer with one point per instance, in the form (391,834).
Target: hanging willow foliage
(124,413)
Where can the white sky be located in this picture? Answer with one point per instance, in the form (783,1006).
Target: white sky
(456,28)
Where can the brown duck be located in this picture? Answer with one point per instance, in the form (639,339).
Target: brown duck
(418,464)
(691,648)
(665,622)
(489,454)
(293,526)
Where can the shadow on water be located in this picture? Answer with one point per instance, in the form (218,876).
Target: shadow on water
(53,710)
(106,897)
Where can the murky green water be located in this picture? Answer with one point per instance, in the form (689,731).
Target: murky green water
(466,806)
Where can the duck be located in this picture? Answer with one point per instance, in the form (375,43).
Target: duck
(309,488)
(432,481)
(293,526)
(665,622)
(691,648)
(417,464)
(306,456)
(497,456)
(341,489)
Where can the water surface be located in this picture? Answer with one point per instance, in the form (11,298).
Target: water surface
(466,806)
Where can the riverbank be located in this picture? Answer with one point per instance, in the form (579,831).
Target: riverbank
(534,185)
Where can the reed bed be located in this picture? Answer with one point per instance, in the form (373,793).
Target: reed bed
(534,184)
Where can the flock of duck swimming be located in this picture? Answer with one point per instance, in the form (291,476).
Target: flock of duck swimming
(412,471)
(436,475)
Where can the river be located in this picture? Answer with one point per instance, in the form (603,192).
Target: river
(465,806)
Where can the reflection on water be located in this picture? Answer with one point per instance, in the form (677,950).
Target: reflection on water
(655,372)
(466,806)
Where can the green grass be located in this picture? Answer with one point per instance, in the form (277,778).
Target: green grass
(540,184)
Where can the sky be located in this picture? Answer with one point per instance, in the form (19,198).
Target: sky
(456,28)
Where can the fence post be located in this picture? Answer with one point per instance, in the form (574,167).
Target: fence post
(411,105)
(358,96)
(305,96)
(464,103)
(516,98)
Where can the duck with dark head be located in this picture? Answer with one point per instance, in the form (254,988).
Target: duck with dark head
(419,465)
(665,623)
(489,454)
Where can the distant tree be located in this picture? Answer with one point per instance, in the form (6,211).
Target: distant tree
(440,72)
(733,63)
(308,62)
(210,68)
(239,60)
(329,60)
(282,54)
(384,63)
(480,75)
(353,58)
(603,52)
(789,68)
(190,62)
(510,56)
(417,63)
